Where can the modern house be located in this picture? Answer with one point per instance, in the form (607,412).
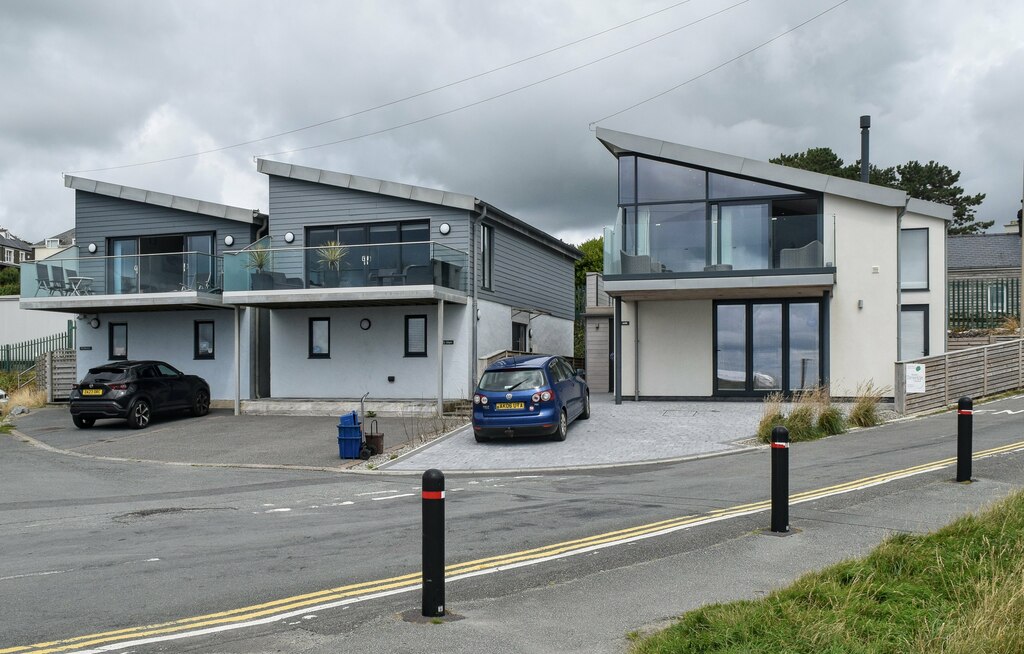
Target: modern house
(145,280)
(733,277)
(349,286)
(984,279)
(395,290)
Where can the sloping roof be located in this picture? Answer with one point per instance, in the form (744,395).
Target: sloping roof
(65,238)
(968,251)
(414,193)
(623,143)
(248,216)
(15,242)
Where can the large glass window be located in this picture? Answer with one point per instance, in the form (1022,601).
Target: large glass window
(914,259)
(913,331)
(677,236)
(657,181)
(742,236)
(722,187)
(487,257)
(369,253)
(627,180)
(731,347)
(804,346)
(766,344)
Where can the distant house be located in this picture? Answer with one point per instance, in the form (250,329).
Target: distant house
(983,273)
(53,244)
(13,250)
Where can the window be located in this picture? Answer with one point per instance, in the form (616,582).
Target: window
(118,340)
(913,331)
(52,243)
(319,338)
(203,341)
(487,257)
(415,336)
(914,259)
(995,296)
(8,255)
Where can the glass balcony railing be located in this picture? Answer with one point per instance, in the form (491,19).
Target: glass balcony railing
(122,275)
(735,238)
(345,266)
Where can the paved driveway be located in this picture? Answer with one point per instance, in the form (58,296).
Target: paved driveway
(631,432)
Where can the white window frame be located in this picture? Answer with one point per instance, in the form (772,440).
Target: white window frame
(998,306)
(8,255)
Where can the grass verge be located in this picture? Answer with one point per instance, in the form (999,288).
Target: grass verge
(28,397)
(957,590)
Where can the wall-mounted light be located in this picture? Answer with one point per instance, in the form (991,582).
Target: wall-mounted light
(92,248)
(444,228)
(94,323)
(364,324)
(229,240)
(289,237)
(530,332)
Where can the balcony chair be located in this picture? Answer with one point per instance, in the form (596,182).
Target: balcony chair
(808,256)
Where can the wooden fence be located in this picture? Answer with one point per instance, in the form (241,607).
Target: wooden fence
(19,356)
(975,372)
(982,303)
(962,343)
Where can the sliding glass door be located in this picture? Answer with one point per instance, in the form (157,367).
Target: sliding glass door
(767,346)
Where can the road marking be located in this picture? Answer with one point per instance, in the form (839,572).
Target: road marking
(302,605)
(277,510)
(391,497)
(35,574)
(377,492)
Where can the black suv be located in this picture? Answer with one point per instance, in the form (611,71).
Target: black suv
(134,391)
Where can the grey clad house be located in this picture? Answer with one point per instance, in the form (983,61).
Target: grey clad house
(144,279)
(349,286)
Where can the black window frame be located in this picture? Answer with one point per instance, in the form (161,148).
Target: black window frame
(110,341)
(408,320)
(487,257)
(319,355)
(909,308)
(196,354)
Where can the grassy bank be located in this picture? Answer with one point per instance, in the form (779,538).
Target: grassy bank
(958,590)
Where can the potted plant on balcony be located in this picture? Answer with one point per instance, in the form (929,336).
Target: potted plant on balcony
(259,259)
(329,256)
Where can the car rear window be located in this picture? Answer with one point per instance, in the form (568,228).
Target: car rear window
(508,380)
(106,375)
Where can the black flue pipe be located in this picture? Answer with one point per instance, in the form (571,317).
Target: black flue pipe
(865,166)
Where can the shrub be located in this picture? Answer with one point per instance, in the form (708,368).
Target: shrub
(771,417)
(865,407)
(29,396)
(800,423)
(831,421)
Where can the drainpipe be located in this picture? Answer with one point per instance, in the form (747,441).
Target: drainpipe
(474,231)
(618,350)
(636,351)
(899,285)
(238,363)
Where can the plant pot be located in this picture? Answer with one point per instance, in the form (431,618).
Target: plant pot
(262,281)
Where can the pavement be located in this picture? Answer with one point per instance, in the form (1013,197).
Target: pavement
(626,588)
(629,433)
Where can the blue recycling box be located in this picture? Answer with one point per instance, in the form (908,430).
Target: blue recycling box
(350,437)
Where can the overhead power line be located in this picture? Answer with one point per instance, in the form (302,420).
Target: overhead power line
(396,101)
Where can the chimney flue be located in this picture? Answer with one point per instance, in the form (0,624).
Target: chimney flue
(865,166)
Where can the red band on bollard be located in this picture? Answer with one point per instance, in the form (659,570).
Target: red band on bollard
(964,412)
(780,446)
(433,495)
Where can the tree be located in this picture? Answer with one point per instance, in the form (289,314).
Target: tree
(592,261)
(932,181)
(10,280)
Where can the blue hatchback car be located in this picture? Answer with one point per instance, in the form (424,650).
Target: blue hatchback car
(529,395)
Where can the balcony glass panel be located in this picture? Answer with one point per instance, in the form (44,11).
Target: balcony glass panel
(658,181)
(128,274)
(678,236)
(627,180)
(345,266)
(743,234)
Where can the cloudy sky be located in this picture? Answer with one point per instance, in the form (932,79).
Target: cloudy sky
(94,85)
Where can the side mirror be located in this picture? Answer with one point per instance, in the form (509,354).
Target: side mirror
(581,373)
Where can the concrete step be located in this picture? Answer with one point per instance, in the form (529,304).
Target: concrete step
(384,408)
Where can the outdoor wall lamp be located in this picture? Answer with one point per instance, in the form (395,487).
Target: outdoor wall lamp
(92,248)
(289,237)
(364,324)
(444,228)
(229,240)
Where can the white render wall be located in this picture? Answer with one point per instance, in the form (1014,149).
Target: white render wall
(17,324)
(863,340)
(550,335)
(361,361)
(168,336)
(676,343)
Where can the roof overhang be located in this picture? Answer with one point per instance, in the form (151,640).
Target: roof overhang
(238,214)
(619,143)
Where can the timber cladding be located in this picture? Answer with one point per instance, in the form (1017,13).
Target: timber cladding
(974,372)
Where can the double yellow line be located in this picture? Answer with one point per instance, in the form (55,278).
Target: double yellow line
(279,609)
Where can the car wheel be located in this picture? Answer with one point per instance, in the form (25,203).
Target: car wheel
(563,427)
(480,438)
(586,407)
(83,423)
(139,414)
(201,403)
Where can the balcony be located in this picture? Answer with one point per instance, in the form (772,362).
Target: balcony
(345,274)
(129,282)
(736,251)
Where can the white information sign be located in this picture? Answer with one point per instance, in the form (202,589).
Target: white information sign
(915,378)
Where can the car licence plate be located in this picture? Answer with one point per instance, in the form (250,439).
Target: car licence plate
(92,391)
(501,406)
